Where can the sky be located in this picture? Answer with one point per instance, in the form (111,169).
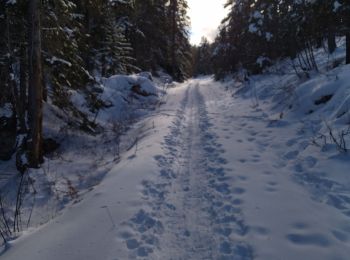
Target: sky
(206,16)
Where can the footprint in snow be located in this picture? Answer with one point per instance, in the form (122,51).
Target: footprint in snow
(300,225)
(291,142)
(308,240)
(167,174)
(141,233)
(239,251)
(221,160)
(132,244)
(224,231)
(144,251)
(272,183)
(269,189)
(187,233)
(253,133)
(310,161)
(238,191)
(298,167)
(237,202)
(307,162)
(162,160)
(225,248)
(291,155)
(143,222)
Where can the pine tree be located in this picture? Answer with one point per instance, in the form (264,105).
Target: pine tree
(203,58)
(52,47)
(62,46)
(260,31)
(179,46)
(147,31)
(106,28)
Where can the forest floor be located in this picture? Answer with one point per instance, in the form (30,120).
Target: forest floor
(215,177)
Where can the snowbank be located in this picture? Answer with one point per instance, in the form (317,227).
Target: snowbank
(322,96)
(125,95)
(83,158)
(124,84)
(327,96)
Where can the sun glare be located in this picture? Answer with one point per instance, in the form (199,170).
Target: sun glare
(205,18)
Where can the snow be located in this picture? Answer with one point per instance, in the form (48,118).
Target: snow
(117,90)
(336,6)
(262,60)
(54,59)
(11,2)
(123,84)
(6,110)
(219,170)
(253,28)
(82,160)
(258,15)
(119,190)
(268,36)
(327,85)
(212,178)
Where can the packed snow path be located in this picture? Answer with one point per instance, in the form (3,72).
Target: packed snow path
(212,178)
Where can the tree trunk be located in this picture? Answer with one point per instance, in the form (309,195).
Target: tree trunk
(319,42)
(173,11)
(348,48)
(35,91)
(332,45)
(23,90)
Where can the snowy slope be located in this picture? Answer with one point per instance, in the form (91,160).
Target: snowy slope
(86,230)
(82,159)
(215,177)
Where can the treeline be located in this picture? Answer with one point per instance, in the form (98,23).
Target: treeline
(48,47)
(255,33)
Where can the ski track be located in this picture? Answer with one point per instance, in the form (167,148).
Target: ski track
(196,207)
(225,182)
(192,197)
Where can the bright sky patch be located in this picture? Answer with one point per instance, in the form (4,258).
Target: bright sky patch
(205,18)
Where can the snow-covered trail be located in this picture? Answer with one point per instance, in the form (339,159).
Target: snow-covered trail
(213,178)
(193,198)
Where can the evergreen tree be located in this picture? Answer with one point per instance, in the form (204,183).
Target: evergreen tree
(203,58)
(50,47)
(147,30)
(256,32)
(179,46)
(159,34)
(62,51)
